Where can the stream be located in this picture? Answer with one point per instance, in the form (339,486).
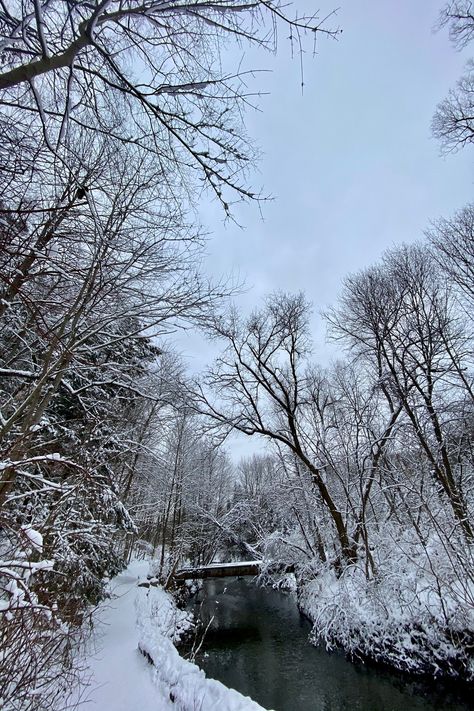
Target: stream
(257,643)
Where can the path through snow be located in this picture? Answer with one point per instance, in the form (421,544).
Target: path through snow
(122,679)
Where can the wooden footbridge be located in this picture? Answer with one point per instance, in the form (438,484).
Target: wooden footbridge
(220,570)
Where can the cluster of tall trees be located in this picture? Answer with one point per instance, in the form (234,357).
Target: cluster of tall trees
(406,389)
(375,453)
(182,494)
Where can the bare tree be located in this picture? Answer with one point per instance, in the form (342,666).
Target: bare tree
(458,15)
(146,74)
(453,121)
(452,240)
(263,388)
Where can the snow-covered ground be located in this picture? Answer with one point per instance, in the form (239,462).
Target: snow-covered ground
(121,677)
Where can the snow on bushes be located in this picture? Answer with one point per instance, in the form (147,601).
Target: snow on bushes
(416,613)
(34,640)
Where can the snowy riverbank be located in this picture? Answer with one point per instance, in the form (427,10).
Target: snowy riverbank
(122,679)
(418,625)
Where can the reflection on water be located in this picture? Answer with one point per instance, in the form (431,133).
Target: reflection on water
(257,643)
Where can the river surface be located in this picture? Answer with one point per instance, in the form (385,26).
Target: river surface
(257,643)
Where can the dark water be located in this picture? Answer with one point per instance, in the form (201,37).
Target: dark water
(258,644)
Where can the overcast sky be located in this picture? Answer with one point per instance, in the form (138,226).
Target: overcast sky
(351,163)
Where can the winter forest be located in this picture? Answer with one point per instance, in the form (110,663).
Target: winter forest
(117,118)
